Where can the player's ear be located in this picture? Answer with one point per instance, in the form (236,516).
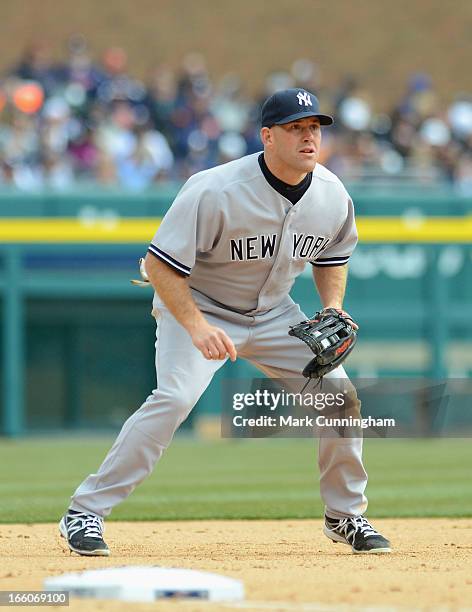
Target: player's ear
(266,135)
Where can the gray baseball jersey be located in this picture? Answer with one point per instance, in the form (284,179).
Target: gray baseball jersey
(242,244)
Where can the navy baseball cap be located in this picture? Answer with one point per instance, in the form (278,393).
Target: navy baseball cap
(290,104)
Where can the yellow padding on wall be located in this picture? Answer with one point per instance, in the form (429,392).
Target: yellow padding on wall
(141,230)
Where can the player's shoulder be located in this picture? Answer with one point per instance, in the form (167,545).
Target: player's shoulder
(321,173)
(210,188)
(220,177)
(330,189)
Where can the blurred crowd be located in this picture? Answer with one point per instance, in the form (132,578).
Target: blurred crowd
(84,121)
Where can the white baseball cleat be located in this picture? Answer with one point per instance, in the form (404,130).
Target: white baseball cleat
(84,533)
(358,533)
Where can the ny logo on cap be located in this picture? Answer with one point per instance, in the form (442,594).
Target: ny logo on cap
(304,98)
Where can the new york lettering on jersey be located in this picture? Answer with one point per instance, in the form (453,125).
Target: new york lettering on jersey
(304,246)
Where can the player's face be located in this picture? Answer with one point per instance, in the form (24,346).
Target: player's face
(291,150)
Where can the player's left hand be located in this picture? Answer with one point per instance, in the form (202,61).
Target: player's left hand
(330,335)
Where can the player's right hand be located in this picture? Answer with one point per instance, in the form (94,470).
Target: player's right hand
(213,343)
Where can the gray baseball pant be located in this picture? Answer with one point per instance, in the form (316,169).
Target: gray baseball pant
(183,374)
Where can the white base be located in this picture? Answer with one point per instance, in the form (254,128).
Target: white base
(146,584)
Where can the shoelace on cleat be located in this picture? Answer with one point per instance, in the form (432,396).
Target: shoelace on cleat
(90,524)
(364,526)
(348,527)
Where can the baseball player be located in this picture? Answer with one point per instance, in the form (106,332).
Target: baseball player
(222,264)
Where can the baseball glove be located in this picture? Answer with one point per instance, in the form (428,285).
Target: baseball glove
(331,337)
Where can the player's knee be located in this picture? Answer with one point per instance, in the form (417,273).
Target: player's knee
(347,403)
(161,415)
(174,406)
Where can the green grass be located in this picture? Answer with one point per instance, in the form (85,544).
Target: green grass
(237,479)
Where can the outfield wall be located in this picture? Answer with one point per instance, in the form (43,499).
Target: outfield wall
(77,338)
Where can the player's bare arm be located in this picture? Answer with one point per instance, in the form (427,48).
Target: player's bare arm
(174,291)
(331,282)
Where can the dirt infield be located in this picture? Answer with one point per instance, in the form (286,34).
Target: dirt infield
(285,565)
